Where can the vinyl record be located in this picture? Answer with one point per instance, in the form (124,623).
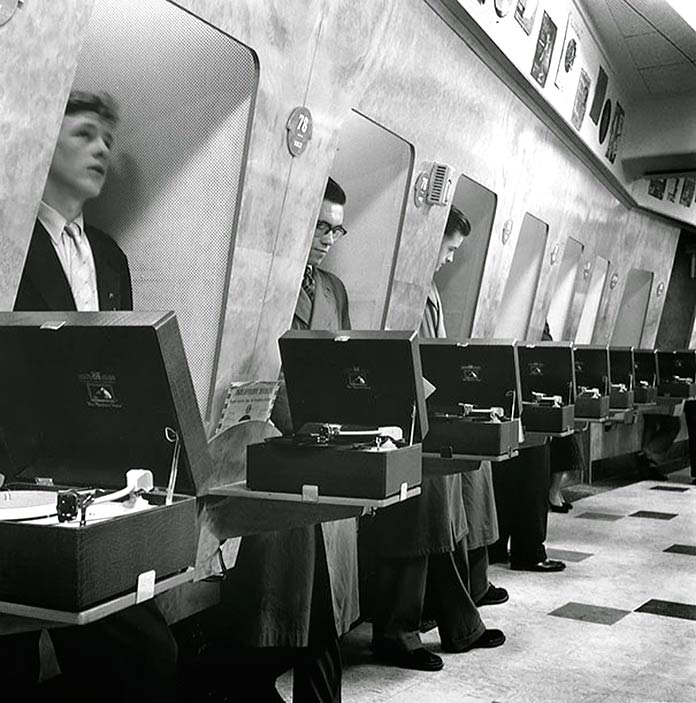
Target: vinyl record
(26,505)
(502,7)
(604,122)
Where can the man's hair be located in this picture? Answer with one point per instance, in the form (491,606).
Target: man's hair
(102,104)
(334,193)
(457,222)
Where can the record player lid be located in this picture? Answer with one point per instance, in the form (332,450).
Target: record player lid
(592,366)
(484,373)
(86,396)
(645,365)
(621,365)
(353,377)
(679,362)
(547,367)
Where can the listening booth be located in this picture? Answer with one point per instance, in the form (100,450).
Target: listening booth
(474,410)
(677,373)
(547,375)
(621,371)
(103,451)
(593,382)
(646,375)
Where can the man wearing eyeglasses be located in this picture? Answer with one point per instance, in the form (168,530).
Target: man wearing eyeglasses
(293,593)
(323,303)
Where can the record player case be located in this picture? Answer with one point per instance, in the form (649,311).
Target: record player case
(481,373)
(592,371)
(677,373)
(367,379)
(58,428)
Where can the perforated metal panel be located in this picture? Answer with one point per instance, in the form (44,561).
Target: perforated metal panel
(185,91)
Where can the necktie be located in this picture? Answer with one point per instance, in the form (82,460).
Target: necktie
(82,281)
(308,284)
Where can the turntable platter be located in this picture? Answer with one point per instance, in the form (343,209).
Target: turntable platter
(26,505)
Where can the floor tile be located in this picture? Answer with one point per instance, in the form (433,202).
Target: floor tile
(590,613)
(682,549)
(567,554)
(674,489)
(608,517)
(654,515)
(684,611)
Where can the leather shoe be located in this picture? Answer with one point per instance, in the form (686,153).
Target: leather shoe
(494,596)
(558,508)
(548,565)
(568,505)
(419,659)
(488,640)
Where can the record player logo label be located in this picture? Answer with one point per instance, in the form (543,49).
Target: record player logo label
(101,390)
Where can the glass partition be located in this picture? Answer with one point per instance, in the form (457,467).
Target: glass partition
(557,315)
(459,282)
(520,288)
(628,330)
(590,309)
(373,166)
(186,93)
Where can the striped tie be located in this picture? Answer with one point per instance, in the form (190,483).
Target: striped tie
(82,281)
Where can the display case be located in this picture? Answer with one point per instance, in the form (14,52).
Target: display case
(593,381)
(547,376)
(84,398)
(357,405)
(677,373)
(621,372)
(646,374)
(474,411)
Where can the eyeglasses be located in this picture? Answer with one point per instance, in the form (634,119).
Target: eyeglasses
(326,230)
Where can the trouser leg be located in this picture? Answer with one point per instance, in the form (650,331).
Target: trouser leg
(504,489)
(19,660)
(690,416)
(318,667)
(528,529)
(457,617)
(399,596)
(478,573)
(134,651)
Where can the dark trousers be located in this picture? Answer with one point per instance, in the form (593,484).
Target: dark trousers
(659,433)
(435,585)
(317,668)
(128,656)
(521,493)
(690,416)
(478,573)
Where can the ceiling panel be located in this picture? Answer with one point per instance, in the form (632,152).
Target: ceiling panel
(652,50)
(670,80)
(628,22)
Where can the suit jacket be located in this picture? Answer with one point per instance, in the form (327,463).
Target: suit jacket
(435,521)
(270,595)
(43,285)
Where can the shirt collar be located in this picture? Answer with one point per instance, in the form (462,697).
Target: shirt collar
(54,222)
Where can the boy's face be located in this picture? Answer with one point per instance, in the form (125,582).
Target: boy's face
(81,158)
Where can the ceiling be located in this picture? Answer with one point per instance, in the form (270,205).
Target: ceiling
(653,48)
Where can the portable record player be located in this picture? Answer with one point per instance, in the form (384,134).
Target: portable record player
(593,381)
(677,373)
(621,371)
(84,399)
(646,375)
(474,411)
(358,414)
(547,375)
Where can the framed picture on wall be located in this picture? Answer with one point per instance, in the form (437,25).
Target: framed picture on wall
(544,50)
(525,14)
(671,189)
(656,188)
(616,132)
(687,194)
(599,94)
(582,94)
(570,56)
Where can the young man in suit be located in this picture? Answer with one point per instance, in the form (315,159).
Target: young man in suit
(129,656)
(70,265)
(420,549)
(293,593)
